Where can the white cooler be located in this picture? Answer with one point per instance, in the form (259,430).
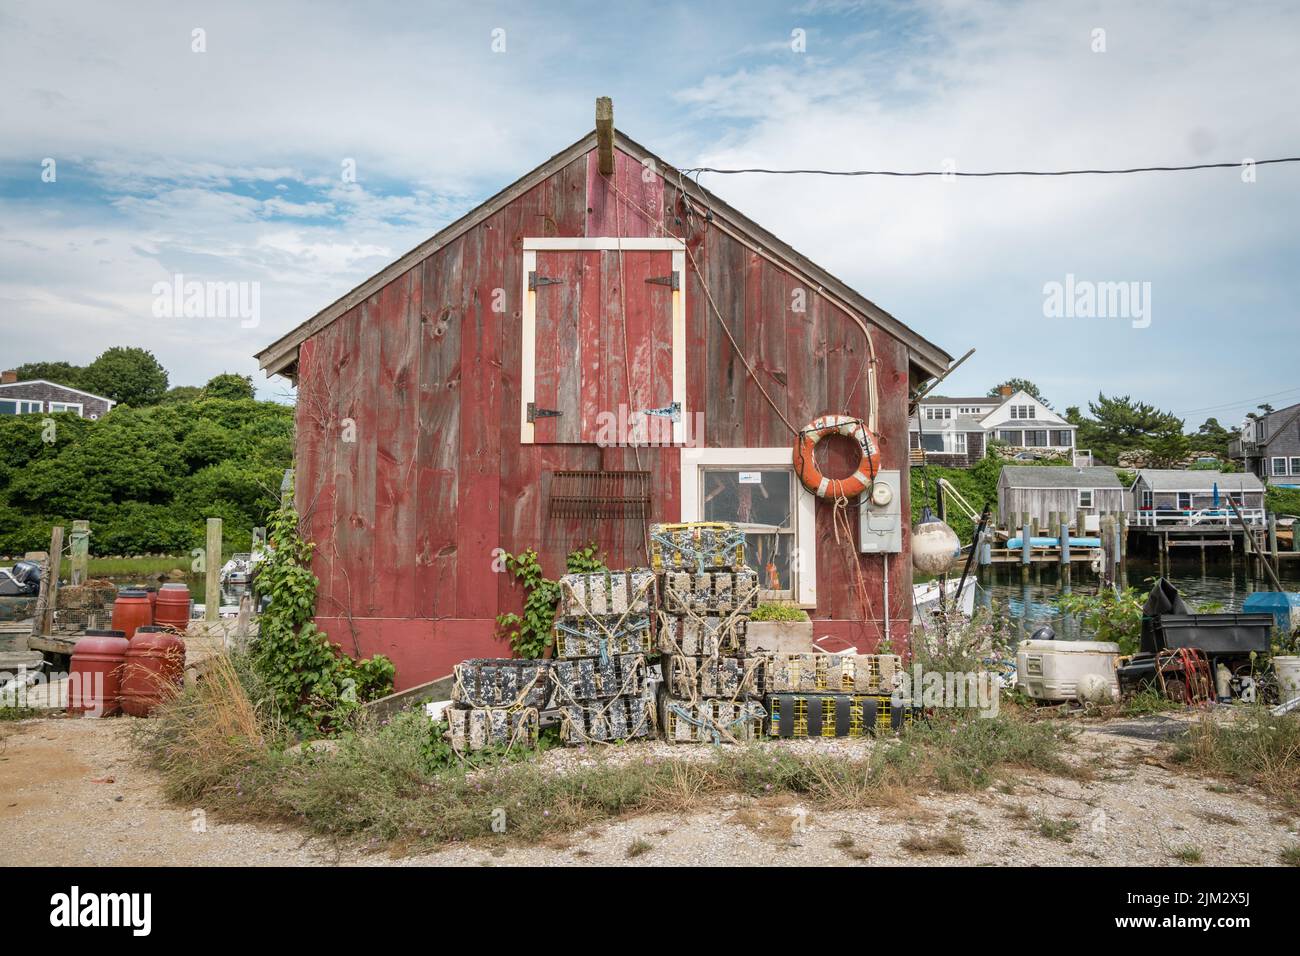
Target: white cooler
(1051,670)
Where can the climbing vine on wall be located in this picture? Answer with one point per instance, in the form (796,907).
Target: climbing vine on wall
(530,633)
(316,687)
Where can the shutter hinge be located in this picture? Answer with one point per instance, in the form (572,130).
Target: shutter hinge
(534,280)
(672,280)
(535,413)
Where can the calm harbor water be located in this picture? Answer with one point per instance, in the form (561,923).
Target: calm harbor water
(1033,603)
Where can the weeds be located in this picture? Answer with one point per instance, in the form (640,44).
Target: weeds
(1260,750)
(1062,830)
(946,843)
(1290,855)
(219,744)
(1187,854)
(638,847)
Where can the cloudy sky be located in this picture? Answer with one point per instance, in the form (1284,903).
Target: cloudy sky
(227,164)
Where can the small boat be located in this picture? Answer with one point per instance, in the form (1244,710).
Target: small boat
(22,580)
(238,570)
(926,599)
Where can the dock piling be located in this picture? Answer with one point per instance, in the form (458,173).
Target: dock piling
(212,568)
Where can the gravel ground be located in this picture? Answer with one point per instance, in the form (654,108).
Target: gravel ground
(72,793)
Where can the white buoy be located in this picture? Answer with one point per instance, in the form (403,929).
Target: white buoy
(1093,689)
(935,547)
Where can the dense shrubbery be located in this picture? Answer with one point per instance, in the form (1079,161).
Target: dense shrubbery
(146,478)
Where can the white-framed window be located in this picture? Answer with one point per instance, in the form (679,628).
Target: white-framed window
(1184,501)
(970,410)
(1295,466)
(1036,438)
(1148,499)
(944,443)
(572,316)
(67,407)
(1014,438)
(20,406)
(1085,498)
(1279,466)
(938,414)
(1022,411)
(757,489)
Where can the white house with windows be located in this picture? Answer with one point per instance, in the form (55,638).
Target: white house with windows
(1173,498)
(41,397)
(957,431)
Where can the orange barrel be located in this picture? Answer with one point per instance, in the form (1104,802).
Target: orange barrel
(153,602)
(95,682)
(132,610)
(173,606)
(154,670)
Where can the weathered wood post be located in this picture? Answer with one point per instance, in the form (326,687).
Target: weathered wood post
(1107,544)
(80,551)
(1081,522)
(1063,525)
(1295,535)
(212,572)
(1272,538)
(1025,551)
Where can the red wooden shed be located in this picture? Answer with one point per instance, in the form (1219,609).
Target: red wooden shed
(579,356)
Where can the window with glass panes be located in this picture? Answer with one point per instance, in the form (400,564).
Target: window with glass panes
(761,500)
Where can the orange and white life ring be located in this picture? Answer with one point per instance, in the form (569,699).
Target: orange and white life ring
(805,462)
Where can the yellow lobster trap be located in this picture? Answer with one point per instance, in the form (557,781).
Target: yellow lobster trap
(837,673)
(697,546)
(835,715)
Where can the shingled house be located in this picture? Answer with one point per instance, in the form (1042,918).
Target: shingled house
(37,396)
(601,345)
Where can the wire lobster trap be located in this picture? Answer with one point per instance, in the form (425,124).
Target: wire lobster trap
(699,636)
(603,635)
(619,718)
(587,679)
(501,682)
(838,673)
(835,715)
(695,677)
(697,546)
(714,720)
(709,592)
(607,592)
(478,728)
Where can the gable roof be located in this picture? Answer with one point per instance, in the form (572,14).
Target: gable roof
(1292,412)
(945,400)
(1050,476)
(66,388)
(1175,479)
(281,355)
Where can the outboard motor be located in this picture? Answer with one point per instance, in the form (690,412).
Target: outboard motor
(28,574)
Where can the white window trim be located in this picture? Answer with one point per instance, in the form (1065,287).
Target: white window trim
(528,345)
(67,407)
(40,405)
(1092,497)
(805,531)
(1276,473)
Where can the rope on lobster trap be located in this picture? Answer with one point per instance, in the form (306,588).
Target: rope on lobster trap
(566,721)
(608,635)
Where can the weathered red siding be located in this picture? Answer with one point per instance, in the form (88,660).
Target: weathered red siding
(425,378)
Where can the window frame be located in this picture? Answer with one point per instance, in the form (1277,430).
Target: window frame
(695,461)
(79,407)
(1273,466)
(1092,497)
(528,324)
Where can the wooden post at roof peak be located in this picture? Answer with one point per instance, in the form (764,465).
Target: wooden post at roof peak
(605,134)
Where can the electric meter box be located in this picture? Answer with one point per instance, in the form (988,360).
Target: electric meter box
(880,515)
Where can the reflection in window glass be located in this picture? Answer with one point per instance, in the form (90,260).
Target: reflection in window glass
(762,503)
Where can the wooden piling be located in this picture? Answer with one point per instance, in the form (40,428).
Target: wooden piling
(80,551)
(212,588)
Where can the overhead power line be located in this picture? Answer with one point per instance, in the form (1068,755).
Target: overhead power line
(695,171)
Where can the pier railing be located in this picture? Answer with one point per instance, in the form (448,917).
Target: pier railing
(1195,518)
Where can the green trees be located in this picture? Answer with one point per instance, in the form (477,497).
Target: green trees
(1019,385)
(1120,424)
(229,385)
(146,478)
(131,376)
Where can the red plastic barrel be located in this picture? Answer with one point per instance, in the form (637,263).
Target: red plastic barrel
(95,681)
(132,610)
(173,607)
(154,670)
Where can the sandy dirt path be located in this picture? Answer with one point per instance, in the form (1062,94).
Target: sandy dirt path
(73,793)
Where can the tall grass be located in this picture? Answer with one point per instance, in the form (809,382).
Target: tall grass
(1260,750)
(395,782)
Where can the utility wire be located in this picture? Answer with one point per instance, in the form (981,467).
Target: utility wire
(983,175)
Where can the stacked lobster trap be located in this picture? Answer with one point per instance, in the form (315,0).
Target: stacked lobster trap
(834,695)
(604,630)
(711,685)
(497,702)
